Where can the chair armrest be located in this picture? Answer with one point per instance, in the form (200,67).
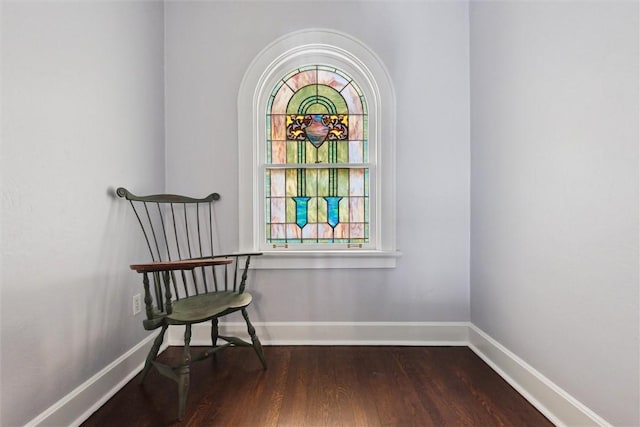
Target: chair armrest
(188,264)
(239,254)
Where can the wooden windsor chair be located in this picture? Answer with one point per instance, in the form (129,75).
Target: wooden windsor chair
(187,282)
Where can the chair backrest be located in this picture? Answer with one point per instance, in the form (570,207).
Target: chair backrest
(179,228)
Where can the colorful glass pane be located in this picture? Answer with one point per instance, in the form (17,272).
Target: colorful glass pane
(316,176)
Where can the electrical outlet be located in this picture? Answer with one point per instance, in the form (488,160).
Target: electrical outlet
(137,304)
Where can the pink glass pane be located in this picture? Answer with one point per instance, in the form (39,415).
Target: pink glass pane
(325,231)
(355,151)
(302,79)
(355,126)
(278,127)
(278,152)
(277,231)
(353,99)
(277,183)
(356,181)
(277,210)
(342,231)
(293,231)
(310,232)
(331,79)
(281,100)
(356,231)
(356,209)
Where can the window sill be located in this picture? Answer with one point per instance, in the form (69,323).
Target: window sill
(325,259)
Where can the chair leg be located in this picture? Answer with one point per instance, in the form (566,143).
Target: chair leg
(214,337)
(184,372)
(214,332)
(257,346)
(153,354)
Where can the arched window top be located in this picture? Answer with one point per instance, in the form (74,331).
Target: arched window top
(317,103)
(317,89)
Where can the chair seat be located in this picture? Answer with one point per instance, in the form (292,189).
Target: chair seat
(206,306)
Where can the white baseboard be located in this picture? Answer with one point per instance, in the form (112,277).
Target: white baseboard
(556,404)
(73,409)
(335,333)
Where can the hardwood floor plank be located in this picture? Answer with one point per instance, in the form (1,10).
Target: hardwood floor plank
(327,386)
(357,406)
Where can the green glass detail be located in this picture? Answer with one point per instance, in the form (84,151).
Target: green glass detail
(323,181)
(366,211)
(268,153)
(293,107)
(344,210)
(313,210)
(290,210)
(366,183)
(311,182)
(317,108)
(342,152)
(292,152)
(320,98)
(343,182)
(291,182)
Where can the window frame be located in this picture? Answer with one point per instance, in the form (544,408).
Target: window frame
(335,49)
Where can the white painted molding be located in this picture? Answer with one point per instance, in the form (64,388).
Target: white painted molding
(73,409)
(557,405)
(335,333)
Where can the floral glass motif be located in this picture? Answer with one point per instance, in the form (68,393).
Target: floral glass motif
(317,171)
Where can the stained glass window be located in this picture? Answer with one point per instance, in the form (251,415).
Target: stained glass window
(317,160)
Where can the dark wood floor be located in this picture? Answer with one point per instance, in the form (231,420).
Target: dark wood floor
(327,386)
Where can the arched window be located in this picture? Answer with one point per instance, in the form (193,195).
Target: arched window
(317,161)
(317,155)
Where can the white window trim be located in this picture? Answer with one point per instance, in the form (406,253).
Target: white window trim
(310,47)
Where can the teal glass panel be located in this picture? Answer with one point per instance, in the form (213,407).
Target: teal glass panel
(302,206)
(333,210)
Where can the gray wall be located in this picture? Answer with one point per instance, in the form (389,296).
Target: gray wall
(209,46)
(554,192)
(82,109)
